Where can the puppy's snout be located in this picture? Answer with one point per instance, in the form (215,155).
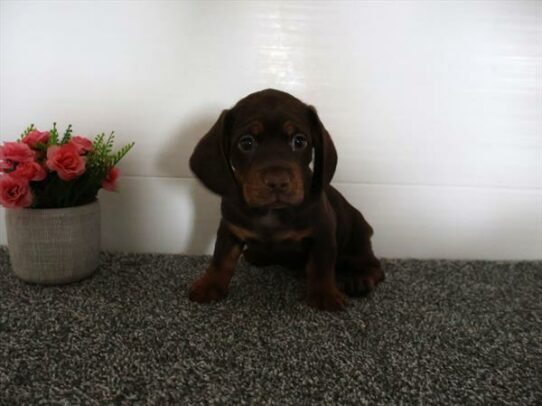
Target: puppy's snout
(276,179)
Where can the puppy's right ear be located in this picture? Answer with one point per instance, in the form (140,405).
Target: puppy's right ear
(325,154)
(210,162)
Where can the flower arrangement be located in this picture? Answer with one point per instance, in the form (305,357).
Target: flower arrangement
(44,170)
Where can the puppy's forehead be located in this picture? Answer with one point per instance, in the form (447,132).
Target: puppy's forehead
(269,108)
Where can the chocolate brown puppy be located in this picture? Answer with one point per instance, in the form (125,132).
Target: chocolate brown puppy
(271,160)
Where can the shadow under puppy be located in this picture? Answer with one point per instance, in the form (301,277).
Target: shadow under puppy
(271,160)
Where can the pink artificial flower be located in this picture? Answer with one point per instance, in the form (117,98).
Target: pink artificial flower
(82,144)
(31,171)
(36,137)
(66,161)
(6,166)
(14,192)
(110,181)
(15,152)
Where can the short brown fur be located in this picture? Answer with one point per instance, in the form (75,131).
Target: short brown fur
(275,208)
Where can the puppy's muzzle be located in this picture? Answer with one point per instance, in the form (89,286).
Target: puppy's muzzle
(273,185)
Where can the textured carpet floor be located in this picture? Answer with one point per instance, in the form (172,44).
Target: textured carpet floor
(434,332)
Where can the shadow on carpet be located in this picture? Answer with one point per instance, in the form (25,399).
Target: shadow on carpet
(435,332)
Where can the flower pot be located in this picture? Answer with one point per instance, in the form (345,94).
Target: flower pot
(54,246)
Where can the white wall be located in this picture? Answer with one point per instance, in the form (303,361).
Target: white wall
(435,108)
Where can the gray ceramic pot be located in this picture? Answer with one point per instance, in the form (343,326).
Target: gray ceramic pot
(54,246)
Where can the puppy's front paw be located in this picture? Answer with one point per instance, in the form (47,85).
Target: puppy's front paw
(205,290)
(329,300)
(363,283)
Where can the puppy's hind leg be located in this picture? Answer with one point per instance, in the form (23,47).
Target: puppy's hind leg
(358,269)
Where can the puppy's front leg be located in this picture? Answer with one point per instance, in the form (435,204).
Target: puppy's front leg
(322,290)
(213,284)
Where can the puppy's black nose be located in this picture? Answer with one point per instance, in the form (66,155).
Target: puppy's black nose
(276,180)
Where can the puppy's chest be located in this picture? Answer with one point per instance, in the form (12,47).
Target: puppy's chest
(268,222)
(270,227)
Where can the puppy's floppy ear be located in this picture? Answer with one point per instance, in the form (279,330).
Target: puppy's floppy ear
(325,155)
(210,162)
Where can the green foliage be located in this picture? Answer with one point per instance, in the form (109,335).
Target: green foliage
(109,142)
(121,153)
(26,131)
(53,140)
(67,134)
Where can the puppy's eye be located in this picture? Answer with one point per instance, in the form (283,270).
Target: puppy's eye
(247,143)
(299,142)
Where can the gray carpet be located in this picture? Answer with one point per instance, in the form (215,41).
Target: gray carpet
(435,332)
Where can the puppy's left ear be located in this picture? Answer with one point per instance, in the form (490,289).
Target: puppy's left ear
(325,154)
(210,162)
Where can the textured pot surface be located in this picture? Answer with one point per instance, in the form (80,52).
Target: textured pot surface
(54,246)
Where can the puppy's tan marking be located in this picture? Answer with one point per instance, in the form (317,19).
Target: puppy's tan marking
(242,233)
(295,235)
(256,128)
(288,128)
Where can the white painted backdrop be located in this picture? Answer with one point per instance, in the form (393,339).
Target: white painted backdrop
(435,108)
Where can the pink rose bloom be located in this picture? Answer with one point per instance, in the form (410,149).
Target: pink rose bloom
(66,161)
(82,144)
(36,137)
(14,192)
(110,181)
(6,165)
(31,171)
(16,152)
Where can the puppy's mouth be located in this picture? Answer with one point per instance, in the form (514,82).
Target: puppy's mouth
(273,201)
(277,204)
(258,195)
